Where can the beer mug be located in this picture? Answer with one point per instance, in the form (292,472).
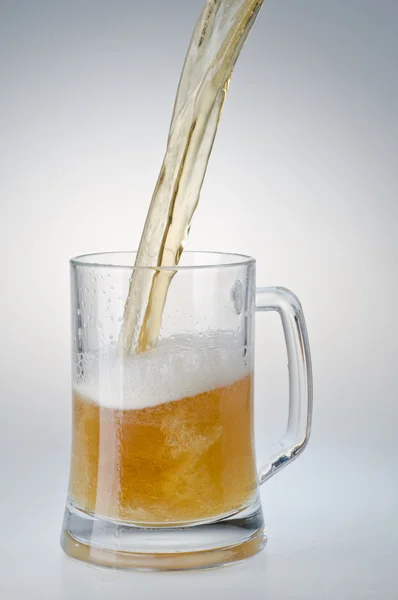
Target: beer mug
(163,471)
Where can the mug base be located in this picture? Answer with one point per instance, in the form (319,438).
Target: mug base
(119,545)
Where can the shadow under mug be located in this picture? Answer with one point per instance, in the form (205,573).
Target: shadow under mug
(163,472)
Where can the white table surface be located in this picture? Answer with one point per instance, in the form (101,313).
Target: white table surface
(331,522)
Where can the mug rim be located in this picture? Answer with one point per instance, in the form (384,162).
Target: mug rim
(221,260)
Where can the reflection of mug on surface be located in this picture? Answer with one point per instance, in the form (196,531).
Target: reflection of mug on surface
(163,470)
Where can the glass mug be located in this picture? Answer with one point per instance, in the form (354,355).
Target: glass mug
(163,472)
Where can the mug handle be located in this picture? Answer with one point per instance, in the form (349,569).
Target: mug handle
(298,429)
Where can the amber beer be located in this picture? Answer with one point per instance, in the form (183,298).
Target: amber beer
(180,461)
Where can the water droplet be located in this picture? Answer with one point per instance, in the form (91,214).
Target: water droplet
(237,296)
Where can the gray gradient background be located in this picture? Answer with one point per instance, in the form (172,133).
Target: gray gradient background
(303,176)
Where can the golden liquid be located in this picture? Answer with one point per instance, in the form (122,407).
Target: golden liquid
(215,47)
(180,461)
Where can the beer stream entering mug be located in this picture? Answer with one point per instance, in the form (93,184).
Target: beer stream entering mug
(216,44)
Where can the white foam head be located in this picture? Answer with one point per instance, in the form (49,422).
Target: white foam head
(178,367)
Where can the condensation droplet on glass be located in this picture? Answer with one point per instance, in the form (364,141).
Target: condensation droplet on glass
(237,296)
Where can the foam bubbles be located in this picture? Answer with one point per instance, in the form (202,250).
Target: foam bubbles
(180,366)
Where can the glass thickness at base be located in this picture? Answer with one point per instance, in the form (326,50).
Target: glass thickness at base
(121,546)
